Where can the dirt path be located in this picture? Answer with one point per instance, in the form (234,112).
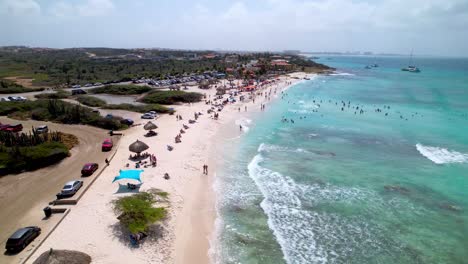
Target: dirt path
(23,196)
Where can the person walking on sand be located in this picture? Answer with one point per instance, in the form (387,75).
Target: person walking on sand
(240,127)
(107,162)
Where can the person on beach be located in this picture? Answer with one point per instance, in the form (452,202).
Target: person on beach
(107,162)
(240,127)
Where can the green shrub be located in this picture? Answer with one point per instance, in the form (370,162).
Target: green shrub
(140,108)
(60,94)
(60,111)
(172,97)
(121,89)
(7,87)
(136,212)
(17,159)
(90,101)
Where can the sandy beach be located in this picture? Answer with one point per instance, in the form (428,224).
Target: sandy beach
(92,226)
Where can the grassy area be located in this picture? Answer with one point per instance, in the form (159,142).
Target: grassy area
(91,101)
(140,108)
(121,89)
(60,94)
(7,87)
(32,151)
(136,212)
(61,112)
(172,97)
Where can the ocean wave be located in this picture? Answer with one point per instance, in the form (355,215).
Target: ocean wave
(306,235)
(342,74)
(440,155)
(245,123)
(274,148)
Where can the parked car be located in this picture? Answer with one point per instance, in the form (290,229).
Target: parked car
(88,85)
(89,168)
(147,116)
(107,144)
(21,238)
(70,188)
(78,91)
(13,128)
(3,127)
(109,116)
(127,121)
(42,129)
(4,99)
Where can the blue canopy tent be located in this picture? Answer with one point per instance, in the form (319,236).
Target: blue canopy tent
(129,174)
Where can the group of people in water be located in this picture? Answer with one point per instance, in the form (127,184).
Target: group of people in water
(344,106)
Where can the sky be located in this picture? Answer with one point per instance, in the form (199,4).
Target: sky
(432,27)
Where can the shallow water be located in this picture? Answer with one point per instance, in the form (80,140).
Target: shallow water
(387,186)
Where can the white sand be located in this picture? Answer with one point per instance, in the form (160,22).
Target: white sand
(91,224)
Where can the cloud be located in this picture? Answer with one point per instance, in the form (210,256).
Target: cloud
(20,7)
(96,8)
(89,8)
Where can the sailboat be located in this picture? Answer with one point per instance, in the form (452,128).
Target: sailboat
(411,68)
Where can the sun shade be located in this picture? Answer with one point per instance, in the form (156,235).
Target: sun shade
(129,174)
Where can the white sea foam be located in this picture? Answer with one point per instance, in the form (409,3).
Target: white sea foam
(310,236)
(274,148)
(342,74)
(245,123)
(441,155)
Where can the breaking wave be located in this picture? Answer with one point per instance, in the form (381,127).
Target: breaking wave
(441,155)
(310,236)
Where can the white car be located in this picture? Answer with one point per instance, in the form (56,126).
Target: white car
(70,188)
(147,116)
(42,129)
(4,99)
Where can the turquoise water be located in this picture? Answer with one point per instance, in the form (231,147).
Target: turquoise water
(382,186)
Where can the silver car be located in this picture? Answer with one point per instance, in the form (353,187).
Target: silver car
(71,187)
(42,129)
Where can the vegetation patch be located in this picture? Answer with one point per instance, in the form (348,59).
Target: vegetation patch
(172,97)
(22,151)
(7,87)
(140,108)
(121,89)
(60,94)
(91,101)
(61,112)
(137,213)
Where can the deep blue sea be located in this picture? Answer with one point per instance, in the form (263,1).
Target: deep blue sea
(374,169)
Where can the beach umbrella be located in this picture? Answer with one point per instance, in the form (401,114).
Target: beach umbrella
(150,126)
(138,147)
(63,256)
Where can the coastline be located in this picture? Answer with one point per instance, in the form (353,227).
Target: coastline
(190,228)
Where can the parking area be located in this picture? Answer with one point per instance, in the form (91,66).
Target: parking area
(23,196)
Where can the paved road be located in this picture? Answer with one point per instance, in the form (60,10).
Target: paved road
(23,196)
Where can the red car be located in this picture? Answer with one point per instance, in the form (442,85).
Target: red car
(11,128)
(89,168)
(107,144)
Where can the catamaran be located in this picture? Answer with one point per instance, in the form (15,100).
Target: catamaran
(411,68)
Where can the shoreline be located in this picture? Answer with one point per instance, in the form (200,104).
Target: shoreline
(189,234)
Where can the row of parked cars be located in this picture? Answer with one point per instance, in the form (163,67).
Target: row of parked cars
(174,80)
(77,86)
(23,236)
(13,99)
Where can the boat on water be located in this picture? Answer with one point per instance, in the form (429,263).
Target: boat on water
(375,65)
(411,68)
(368,67)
